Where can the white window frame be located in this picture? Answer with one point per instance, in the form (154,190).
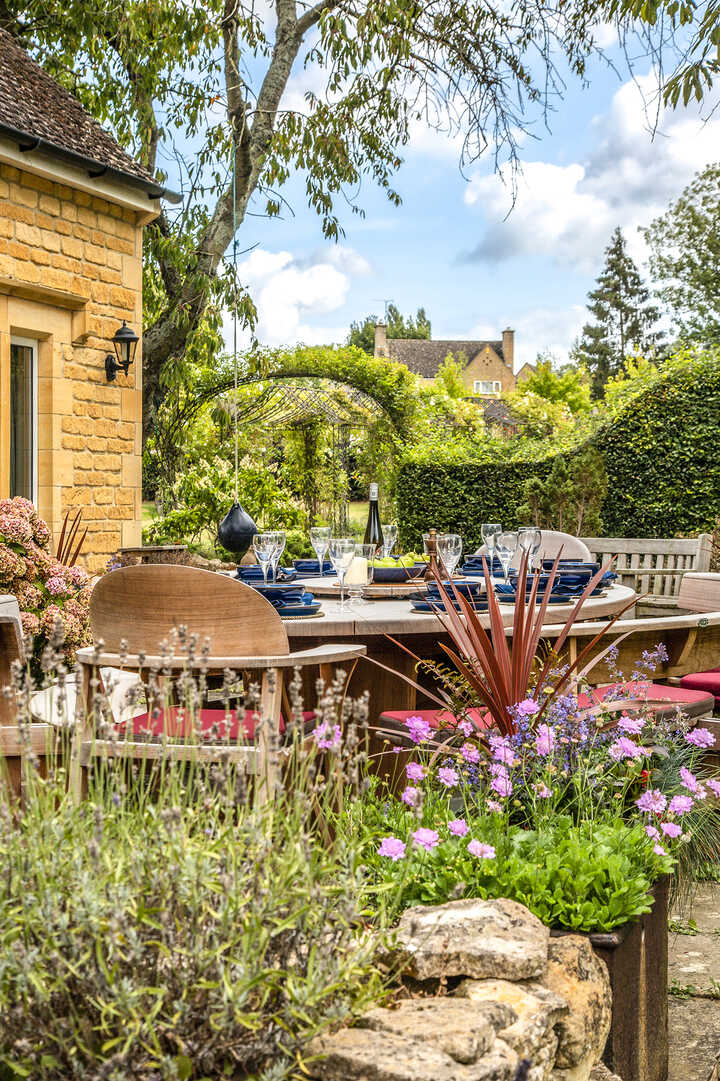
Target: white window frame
(494,385)
(32,344)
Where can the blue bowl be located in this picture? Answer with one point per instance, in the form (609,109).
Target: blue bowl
(398,574)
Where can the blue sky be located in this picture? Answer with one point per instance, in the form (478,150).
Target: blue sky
(450,247)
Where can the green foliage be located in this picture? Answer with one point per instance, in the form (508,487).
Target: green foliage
(570,497)
(449,378)
(662,471)
(624,319)
(567,385)
(362,335)
(685,257)
(540,417)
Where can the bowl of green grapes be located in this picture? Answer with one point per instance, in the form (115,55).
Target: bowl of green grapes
(387,569)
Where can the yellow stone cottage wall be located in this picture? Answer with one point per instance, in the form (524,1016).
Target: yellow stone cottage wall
(70,272)
(488,365)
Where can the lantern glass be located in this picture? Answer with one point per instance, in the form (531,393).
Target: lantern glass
(125,342)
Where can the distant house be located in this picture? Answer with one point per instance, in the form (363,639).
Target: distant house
(72,210)
(525,372)
(487,366)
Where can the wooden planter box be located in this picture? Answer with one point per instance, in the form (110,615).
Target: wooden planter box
(636,956)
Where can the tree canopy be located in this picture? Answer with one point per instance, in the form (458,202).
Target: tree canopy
(684,247)
(362,334)
(624,318)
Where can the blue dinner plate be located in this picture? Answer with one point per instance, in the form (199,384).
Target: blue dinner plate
(300,609)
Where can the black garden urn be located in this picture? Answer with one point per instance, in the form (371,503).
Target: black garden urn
(236,531)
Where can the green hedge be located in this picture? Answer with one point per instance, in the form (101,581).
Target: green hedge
(662,456)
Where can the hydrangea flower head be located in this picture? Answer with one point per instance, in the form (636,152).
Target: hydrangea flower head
(392,848)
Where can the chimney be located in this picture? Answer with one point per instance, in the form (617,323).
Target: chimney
(381,347)
(508,341)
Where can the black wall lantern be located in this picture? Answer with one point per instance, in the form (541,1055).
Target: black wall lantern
(125,342)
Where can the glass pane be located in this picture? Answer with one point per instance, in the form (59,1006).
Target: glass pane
(22,427)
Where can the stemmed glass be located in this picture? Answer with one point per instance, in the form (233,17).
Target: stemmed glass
(506,547)
(342,553)
(389,533)
(280,542)
(449,548)
(530,539)
(264,548)
(360,572)
(320,539)
(490,531)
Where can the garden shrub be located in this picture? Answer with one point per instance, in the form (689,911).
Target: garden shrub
(660,454)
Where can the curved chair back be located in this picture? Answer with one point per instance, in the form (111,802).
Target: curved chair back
(141,605)
(551,543)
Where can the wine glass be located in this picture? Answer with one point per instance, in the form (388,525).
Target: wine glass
(280,542)
(342,553)
(529,539)
(506,546)
(389,533)
(360,571)
(490,531)
(264,548)
(449,548)
(320,539)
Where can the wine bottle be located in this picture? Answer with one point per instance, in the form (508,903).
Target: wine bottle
(373,531)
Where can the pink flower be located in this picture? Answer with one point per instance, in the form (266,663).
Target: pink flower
(470,753)
(671,829)
(502,752)
(414,771)
(410,795)
(544,740)
(56,585)
(502,785)
(652,833)
(659,850)
(418,729)
(326,741)
(494,806)
(714,786)
(625,748)
(392,847)
(653,801)
(700,737)
(679,805)
(632,725)
(30,623)
(14,529)
(542,791)
(458,827)
(527,707)
(688,779)
(448,776)
(41,533)
(425,838)
(483,852)
(466,727)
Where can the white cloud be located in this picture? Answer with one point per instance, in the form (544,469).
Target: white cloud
(630,175)
(290,293)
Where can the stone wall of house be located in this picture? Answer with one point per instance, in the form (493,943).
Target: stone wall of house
(70,272)
(488,365)
(485,994)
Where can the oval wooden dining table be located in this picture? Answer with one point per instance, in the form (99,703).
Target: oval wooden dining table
(374,623)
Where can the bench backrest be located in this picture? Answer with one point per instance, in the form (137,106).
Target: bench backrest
(700,592)
(653,565)
(141,605)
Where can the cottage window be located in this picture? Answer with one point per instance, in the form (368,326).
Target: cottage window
(23,418)
(487,386)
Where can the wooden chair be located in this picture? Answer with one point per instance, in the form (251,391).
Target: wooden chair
(654,565)
(134,612)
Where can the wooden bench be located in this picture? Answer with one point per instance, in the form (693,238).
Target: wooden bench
(654,566)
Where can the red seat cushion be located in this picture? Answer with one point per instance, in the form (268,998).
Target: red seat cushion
(213,723)
(703,681)
(694,702)
(434,717)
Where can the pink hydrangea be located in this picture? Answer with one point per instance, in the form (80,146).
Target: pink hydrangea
(527,707)
(448,776)
(700,737)
(327,737)
(458,827)
(77,576)
(470,753)
(30,623)
(414,771)
(14,529)
(410,795)
(671,829)
(40,532)
(632,725)
(392,848)
(426,838)
(544,740)
(57,585)
(625,748)
(680,805)
(418,729)
(652,801)
(480,850)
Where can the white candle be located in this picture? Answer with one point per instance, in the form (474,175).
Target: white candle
(357,572)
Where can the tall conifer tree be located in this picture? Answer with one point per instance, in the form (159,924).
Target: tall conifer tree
(624,318)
